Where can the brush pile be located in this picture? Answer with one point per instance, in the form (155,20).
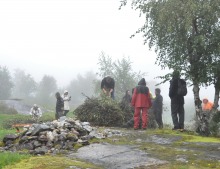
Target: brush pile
(101,112)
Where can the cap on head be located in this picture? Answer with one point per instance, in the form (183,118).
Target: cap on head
(65,91)
(35,105)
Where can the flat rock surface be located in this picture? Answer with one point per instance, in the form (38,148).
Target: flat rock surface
(115,156)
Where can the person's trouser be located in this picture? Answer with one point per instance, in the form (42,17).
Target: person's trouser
(58,115)
(65,112)
(130,123)
(158,117)
(144,117)
(177,113)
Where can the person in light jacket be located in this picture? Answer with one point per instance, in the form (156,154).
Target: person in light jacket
(66,99)
(35,112)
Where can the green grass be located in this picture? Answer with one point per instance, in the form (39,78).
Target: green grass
(5,132)
(16,160)
(188,136)
(8,158)
(7,120)
(51,162)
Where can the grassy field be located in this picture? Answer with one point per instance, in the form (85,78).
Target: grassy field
(6,122)
(13,160)
(8,158)
(165,152)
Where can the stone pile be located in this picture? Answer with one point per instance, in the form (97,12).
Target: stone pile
(54,137)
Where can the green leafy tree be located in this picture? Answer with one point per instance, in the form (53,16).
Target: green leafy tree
(24,85)
(46,91)
(185,35)
(105,65)
(5,83)
(122,72)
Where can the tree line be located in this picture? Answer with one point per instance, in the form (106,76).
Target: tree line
(21,85)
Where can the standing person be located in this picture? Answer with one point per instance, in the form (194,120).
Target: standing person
(59,106)
(141,102)
(177,101)
(158,108)
(126,107)
(108,86)
(127,97)
(207,105)
(35,112)
(66,99)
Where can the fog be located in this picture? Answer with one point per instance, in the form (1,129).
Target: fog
(64,38)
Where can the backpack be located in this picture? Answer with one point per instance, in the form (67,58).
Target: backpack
(182,89)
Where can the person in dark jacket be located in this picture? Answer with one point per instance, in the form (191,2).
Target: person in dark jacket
(158,108)
(141,102)
(125,106)
(108,86)
(59,106)
(177,103)
(127,97)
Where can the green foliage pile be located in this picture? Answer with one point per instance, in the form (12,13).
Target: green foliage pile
(4,109)
(100,111)
(8,158)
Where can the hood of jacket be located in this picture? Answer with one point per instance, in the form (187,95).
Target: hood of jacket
(142,82)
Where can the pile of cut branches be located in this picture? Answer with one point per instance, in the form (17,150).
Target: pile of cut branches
(101,111)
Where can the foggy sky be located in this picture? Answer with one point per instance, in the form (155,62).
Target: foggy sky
(63,38)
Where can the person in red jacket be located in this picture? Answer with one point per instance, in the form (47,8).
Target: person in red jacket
(141,102)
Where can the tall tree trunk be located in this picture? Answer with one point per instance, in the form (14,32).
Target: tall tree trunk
(216,98)
(197,101)
(217,90)
(202,118)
